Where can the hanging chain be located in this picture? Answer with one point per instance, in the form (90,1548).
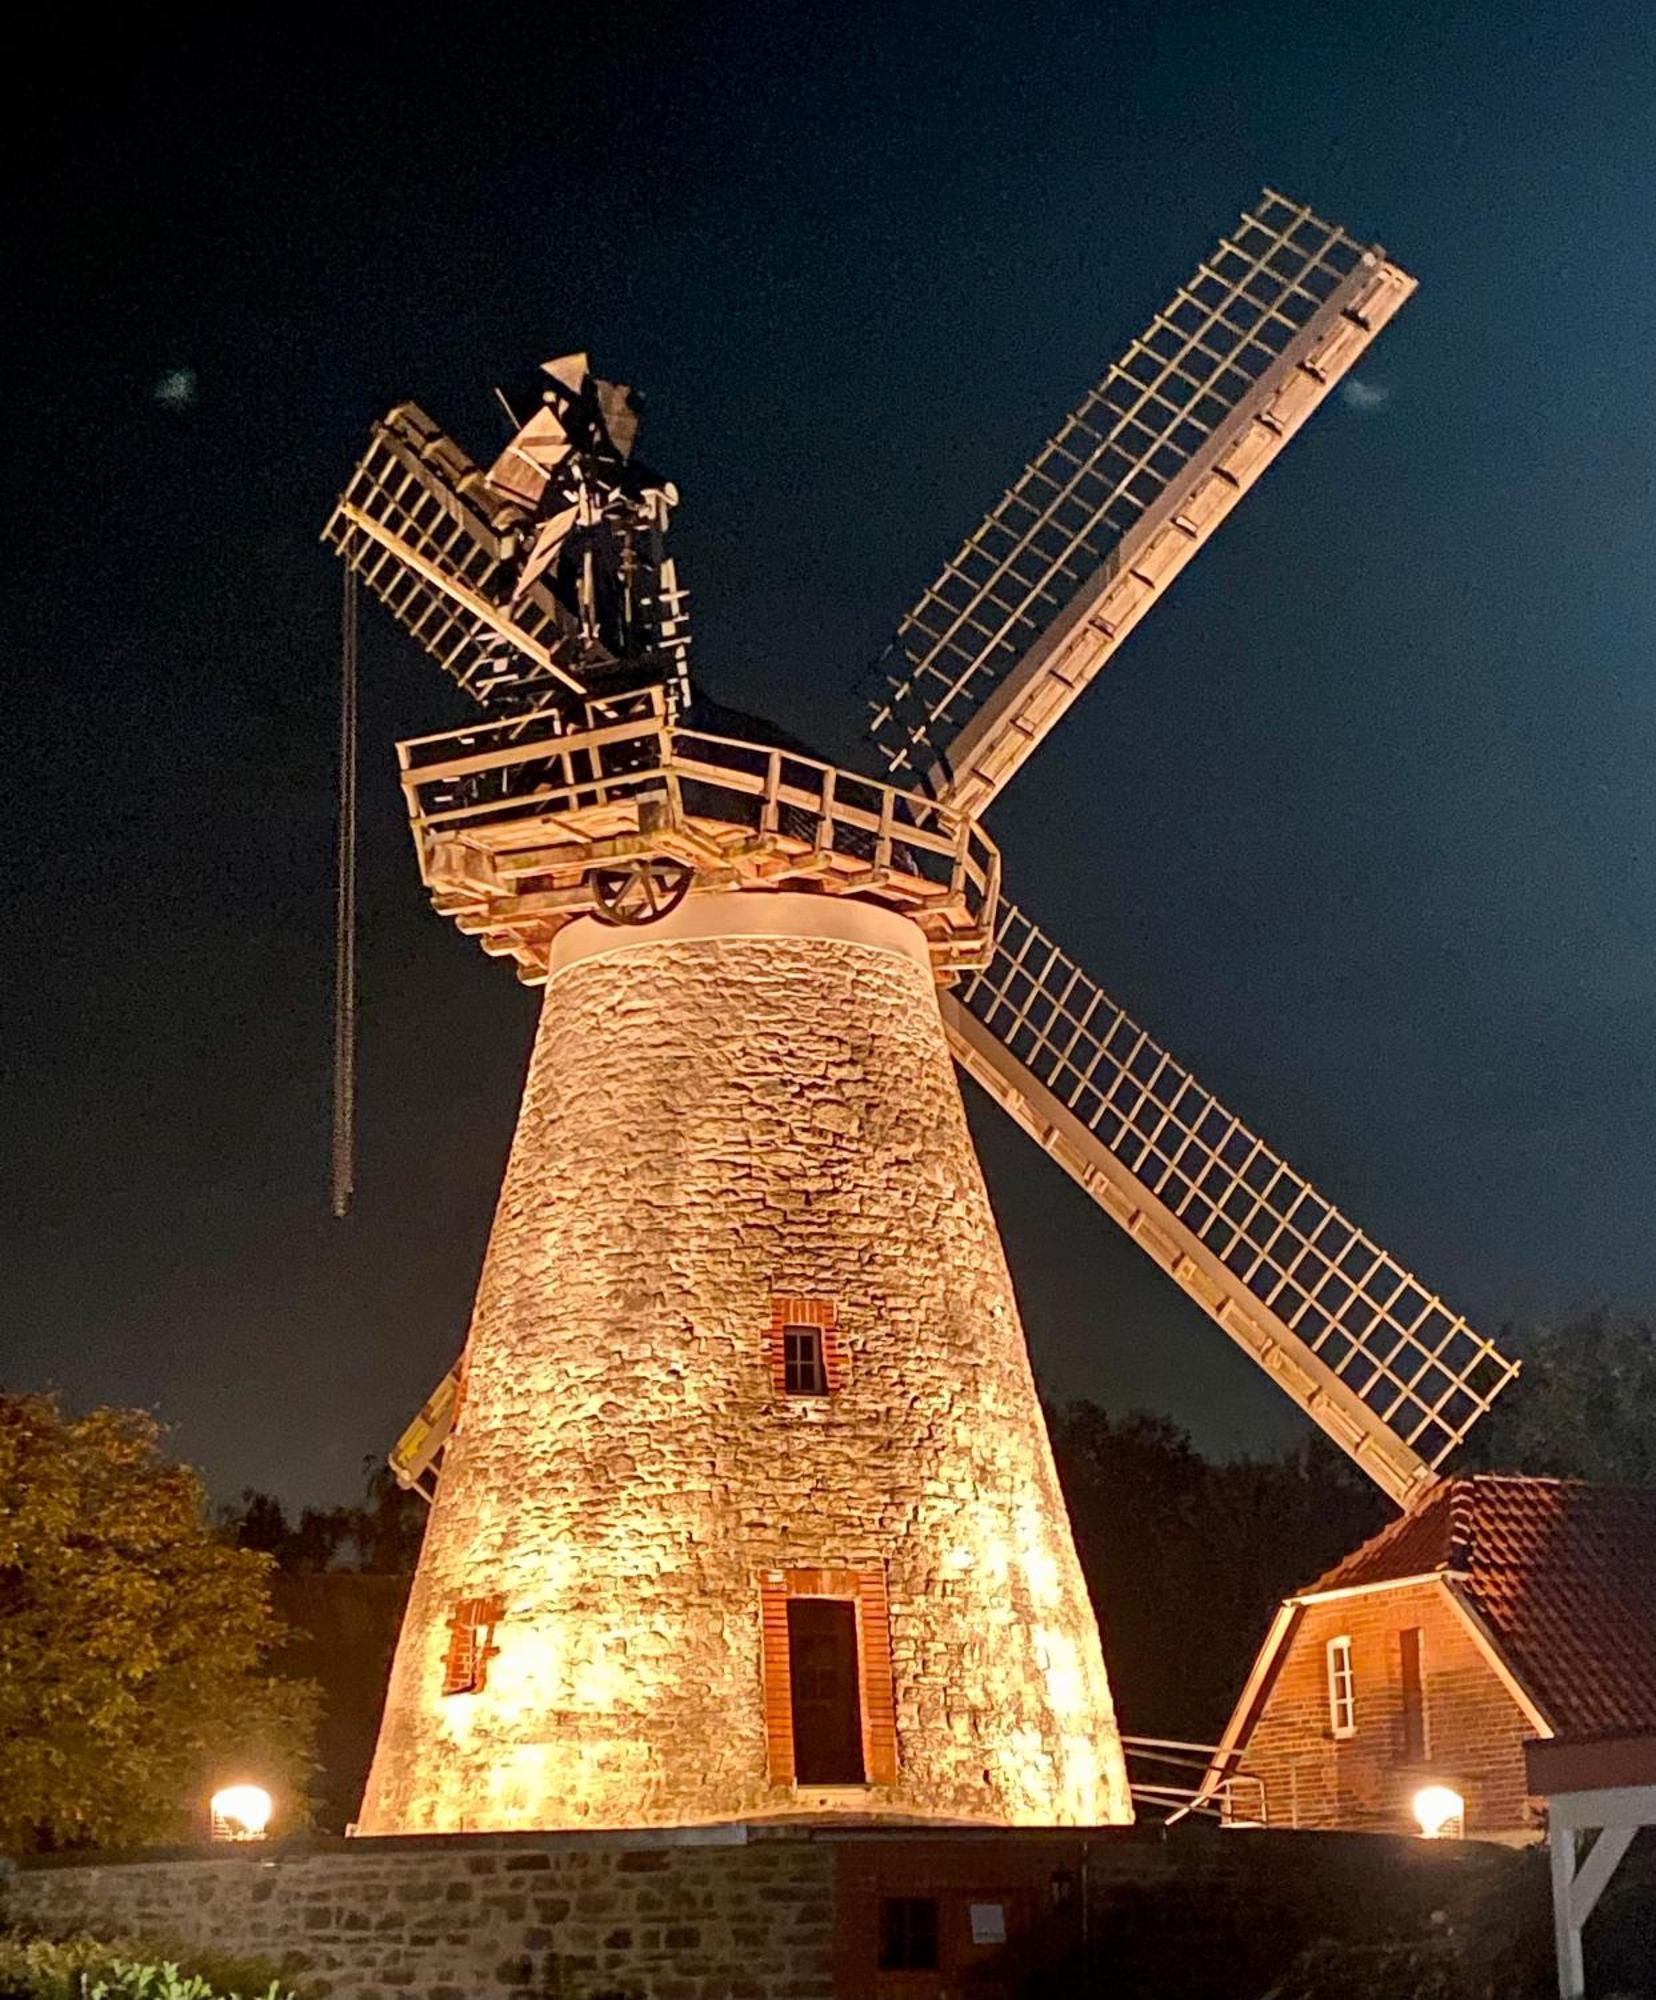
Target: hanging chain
(343,1164)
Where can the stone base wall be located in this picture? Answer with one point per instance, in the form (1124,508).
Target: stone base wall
(628,1918)
(773,1913)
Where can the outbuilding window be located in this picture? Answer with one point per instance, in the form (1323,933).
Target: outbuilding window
(1413,1685)
(1342,1693)
(908,1934)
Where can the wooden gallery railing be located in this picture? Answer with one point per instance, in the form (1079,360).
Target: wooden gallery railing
(510,816)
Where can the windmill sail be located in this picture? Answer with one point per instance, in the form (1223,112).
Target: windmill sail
(1394,1376)
(439,548)
(1038,597)
(545,576)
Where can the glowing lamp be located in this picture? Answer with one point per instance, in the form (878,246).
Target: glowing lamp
(1440,1813)
(240,1812)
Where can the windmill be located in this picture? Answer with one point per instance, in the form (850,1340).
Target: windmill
(742,1501)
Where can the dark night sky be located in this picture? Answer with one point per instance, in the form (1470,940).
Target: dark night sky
(1360,823)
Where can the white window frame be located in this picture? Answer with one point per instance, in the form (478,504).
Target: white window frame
(816,1363)
(1342,1688)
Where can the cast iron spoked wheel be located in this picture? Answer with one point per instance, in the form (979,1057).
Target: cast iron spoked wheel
(640,893)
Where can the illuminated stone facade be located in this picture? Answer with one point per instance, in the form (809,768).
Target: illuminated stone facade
(750,1101)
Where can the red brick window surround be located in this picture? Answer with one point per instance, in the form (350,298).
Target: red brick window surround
(471,1644)
(864,1588)
(1342,1688)
(805,1347)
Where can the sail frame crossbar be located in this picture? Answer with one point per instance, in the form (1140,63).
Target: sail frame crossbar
(1383,1347)
(1138,444)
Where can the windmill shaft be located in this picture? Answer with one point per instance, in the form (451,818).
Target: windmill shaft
(741,1119)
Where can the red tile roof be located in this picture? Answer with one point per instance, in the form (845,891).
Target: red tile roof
(1563,1574)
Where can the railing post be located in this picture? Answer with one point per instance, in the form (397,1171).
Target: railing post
(770,814)
(991,891)
(825,824)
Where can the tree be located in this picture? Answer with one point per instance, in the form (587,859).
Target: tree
(132,1640)
(1186,1560)
(380,1535)
(1584,1405)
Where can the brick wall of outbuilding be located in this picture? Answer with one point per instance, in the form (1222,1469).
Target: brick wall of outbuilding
(1475,1730)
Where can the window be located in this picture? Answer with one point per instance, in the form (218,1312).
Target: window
(471,1644)
(908,1934)
(1414,1695)
(803,1372)
(1342,1701)
(806,1348)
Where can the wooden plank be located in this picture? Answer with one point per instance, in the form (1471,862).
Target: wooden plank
(462,594)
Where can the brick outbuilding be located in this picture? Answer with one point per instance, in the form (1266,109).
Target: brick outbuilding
(1502,1609)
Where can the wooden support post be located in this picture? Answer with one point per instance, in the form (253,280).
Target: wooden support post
(1614,1814)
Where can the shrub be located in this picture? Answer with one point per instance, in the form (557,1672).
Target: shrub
(84,1968)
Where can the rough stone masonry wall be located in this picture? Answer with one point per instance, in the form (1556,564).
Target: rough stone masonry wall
(394,1921)
(708,1121)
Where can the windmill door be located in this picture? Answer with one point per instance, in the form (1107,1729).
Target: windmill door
(827,1697)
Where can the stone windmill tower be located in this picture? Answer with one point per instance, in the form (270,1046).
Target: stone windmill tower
(743,1503)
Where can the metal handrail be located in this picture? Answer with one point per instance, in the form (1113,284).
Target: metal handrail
(1209,1796)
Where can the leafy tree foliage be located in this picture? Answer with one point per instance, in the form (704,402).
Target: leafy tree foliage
(1584,1405)
(381,1534)
(1186,1560)
(132,1640)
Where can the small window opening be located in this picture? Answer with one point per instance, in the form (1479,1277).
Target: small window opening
(908,1934)
(825,1693)
(804,1347)
(804,1368)
(1414,1696)
(471,1644)
(1342,1693)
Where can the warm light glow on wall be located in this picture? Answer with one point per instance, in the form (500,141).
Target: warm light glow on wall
(1440,1813)
(715,1122)
(240,1812)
